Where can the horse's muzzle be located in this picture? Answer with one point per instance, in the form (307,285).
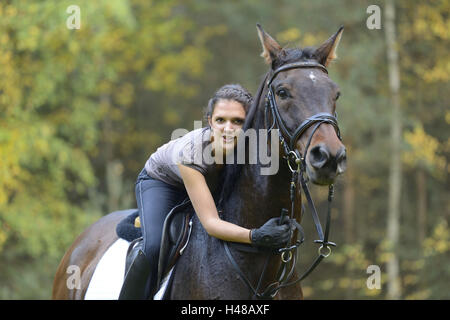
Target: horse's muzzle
(323,166)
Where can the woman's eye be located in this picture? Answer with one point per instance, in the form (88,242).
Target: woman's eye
(220,120)
(282,93)
(238,121)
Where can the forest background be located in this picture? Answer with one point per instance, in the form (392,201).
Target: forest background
(82,109)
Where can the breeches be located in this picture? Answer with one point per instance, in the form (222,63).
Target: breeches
(155,199)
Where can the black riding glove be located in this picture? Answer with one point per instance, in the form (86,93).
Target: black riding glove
(272,234)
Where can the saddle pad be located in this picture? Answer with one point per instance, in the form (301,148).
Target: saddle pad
(108,276)
(106,282)
(126,229)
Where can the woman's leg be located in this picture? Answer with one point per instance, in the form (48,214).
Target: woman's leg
(155,199)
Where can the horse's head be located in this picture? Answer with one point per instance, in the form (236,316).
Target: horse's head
(301,91)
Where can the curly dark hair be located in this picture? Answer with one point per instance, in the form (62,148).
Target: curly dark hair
(233,92)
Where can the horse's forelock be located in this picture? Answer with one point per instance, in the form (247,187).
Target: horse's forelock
(290,55)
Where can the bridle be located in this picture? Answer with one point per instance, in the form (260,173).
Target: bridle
(297,165)
(317,119)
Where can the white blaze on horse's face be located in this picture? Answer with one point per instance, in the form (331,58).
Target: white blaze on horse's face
(312,77)
(226,121)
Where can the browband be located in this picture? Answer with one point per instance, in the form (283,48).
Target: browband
(295,65)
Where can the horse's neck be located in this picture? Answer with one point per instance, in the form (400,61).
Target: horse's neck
(266,195)
(259,197)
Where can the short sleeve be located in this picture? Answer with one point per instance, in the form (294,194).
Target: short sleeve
(190,157)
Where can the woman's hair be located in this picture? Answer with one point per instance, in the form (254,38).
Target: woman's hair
(233,92)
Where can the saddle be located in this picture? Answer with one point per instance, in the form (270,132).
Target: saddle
(175,236)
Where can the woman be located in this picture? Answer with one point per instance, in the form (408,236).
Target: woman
(183,167)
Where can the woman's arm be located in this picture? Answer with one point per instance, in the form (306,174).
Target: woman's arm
(206,210)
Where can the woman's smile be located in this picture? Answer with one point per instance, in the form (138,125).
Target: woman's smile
(228,139)
(227,119)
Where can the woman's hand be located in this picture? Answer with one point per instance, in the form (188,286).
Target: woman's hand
(272,234)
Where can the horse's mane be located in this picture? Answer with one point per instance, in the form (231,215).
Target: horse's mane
(231,172)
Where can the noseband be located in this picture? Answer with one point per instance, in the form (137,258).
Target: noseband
(297,165)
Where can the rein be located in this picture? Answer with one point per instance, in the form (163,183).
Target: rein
(297,165)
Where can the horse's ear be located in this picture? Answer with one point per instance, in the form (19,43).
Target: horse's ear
(271,48)
(327,51)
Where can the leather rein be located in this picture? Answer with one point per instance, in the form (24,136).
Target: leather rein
(297,165)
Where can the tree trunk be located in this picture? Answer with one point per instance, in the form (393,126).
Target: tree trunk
(421,205)
(393,270)
(349,221)
(349,207)
(107,155)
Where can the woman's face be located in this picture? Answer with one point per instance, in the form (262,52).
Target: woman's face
(226,120)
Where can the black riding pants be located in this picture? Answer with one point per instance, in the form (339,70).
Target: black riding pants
(155,199)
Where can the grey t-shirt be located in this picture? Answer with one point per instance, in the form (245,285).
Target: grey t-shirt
(192,150)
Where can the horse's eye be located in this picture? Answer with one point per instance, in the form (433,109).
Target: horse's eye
(282,93)
(337,96)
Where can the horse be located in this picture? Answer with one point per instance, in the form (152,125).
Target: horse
(296,103)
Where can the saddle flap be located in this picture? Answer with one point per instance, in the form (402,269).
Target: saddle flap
(177,226)
(174,236)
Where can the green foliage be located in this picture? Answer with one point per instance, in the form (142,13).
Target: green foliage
(64,95)
(81,111)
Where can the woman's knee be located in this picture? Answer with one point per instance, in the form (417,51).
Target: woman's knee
(151,248)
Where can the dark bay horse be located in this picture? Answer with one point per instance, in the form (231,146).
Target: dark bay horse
(302,102)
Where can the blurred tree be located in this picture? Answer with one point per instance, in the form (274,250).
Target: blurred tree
(81,111)
(71,102)
(395,174)
(424,62)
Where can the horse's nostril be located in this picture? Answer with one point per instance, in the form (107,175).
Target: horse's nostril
(318,157)
(341,161)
